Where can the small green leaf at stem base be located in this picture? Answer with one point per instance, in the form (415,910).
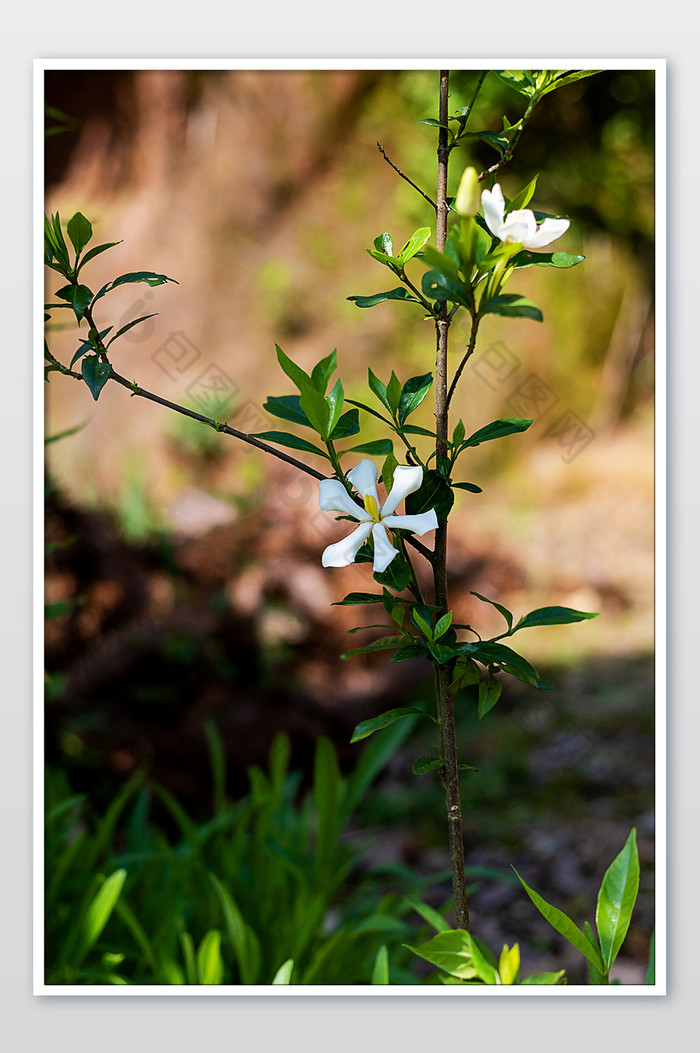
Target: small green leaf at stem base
(367,727)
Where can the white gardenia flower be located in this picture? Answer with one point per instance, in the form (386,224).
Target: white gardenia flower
(333,497)
(519,227)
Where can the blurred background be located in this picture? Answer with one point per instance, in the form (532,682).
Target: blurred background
(183,571)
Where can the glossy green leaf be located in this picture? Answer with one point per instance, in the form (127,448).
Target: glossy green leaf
(438,286)
(410,651)
(133,277)
(284,973)
(287,407)
(497,429)
(490,653)
(96,251)
(616,899)
(393,392)
(383,243)
(423,621)
(494,139)
(434,492)
(386,643)
(442,263)
(243,940)
(130,325)
(523,199)
(210,967)
(89,345)
(426,764)
(544,978)
(378,388)
(322,372)
(78,296)
(595,977)
(443,625)
(489,694)
(283,438)
(511,305)
(450,951)
(349,424)
(380,969)
(560,260)
(397,576)
(412,394)
(471,487)
(95,374)
(334,401)
(565,926)
(355,599)
(552,616)
(499,607)
(570,78)
(393,294)
(414,245)
(101,907)
(518,80)
(367,727)
(376,448)
(79,231)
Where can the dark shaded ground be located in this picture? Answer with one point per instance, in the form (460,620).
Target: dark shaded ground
(157,638)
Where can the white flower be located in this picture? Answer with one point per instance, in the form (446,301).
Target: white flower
(333,497)
(519,227)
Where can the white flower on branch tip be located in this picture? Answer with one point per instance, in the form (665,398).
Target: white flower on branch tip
(518,227)
(373,520)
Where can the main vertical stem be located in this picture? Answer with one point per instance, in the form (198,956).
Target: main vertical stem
(443,673)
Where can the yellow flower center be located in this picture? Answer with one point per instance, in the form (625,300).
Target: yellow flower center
(372,506)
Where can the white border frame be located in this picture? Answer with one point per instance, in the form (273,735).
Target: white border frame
(448,991)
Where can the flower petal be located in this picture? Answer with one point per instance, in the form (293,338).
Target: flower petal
(364,478)
(519,226)
(343,553)
(494,206)
(384,551)
(333,497)
(550,230)
(419,524)
(407,479)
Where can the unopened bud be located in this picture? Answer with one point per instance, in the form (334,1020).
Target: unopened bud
(467,200)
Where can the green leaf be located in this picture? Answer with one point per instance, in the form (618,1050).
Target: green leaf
(409,651)
(561,260)
(509,661)
(283,438)
(356,599)
(544,978)
(443,625)
(78,296)
(91,253)
(284,973)
(393,392)
(287,407)
(442,263)
(523,199)
(380,969)
(334,401)
(367,727)
(79,231)
(511,305)
(438,286)
(130,325)
(552,616)
(502,610)
(426,764)
(99,910)
(570,78)
(414,244)
(595,976)
(210,968)
(89,345)
(423,621)
(95,374)
(393,294)
(471,487)
(428,913)
(378,388)
(498,142)
(650,978)
(518,80)
(497,429)
(565,926)
(450,951)
(412,394)
(383,243)
(378,447)
(133,277)
(322,372)
(397,576)
(245,943)
(616,899)
(434,492)
(386,643)
(489,694)
(458,434)
(349,424)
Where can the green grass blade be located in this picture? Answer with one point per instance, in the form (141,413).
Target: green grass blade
(380,971)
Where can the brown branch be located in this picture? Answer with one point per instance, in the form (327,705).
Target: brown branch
(467,355)
(404,176)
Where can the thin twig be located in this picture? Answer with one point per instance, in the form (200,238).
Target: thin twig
(508,154)
(398,171)
(467,355)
